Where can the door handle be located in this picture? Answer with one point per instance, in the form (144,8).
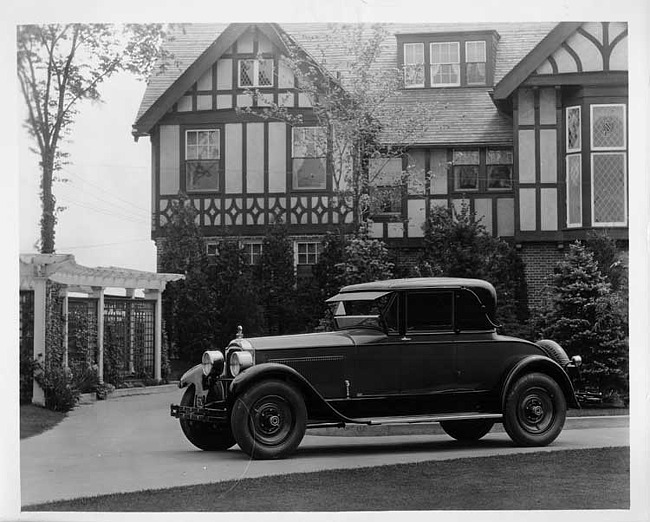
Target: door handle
(405,338)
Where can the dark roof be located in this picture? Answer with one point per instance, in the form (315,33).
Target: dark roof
(419,283)
(458,115)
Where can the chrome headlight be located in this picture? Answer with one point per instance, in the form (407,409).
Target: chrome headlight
(212,361)
(239,361)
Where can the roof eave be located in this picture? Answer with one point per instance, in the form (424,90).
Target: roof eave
(533,59)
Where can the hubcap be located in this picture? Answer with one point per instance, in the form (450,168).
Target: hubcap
(536,411)
(271,420)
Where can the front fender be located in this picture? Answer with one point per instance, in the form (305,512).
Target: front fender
(192,376)
(542,364)
(263,371)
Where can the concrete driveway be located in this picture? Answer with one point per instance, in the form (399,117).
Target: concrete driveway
(131,443)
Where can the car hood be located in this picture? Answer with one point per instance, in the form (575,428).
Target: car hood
(311,340)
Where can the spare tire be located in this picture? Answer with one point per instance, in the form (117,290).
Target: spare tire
(554,351)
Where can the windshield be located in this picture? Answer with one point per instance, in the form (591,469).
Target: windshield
(363,313)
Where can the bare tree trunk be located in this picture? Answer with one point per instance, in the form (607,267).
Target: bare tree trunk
(48,203)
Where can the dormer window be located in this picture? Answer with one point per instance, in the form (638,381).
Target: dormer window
(445,64)
(414,65)
(448,59)
(475,58)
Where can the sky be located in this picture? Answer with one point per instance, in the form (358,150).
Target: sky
(107,187)
(107,222)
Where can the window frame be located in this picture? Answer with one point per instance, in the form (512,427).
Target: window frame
(253,258)
(569,150)
(316,252)
(609,152)
(466,63)
(487,170)
(256,73)
(294,175)
(577,155)
(443,329)
(187,161)
(456,178)
(406,65)
(432,64)
(591,127)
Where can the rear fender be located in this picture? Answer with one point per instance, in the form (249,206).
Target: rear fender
(265,371)
(541,364)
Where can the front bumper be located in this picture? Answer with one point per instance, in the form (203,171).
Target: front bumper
(211,415)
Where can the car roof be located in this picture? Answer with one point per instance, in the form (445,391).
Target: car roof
(416,283)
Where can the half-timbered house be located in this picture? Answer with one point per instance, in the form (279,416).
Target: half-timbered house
(530,130)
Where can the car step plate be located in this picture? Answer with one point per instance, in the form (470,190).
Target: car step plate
(417,419)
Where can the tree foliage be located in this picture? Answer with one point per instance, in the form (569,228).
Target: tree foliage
(189,304)
(586,317)
(457,244)
(59,66)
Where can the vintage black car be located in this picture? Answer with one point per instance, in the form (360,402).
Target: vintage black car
(403,351)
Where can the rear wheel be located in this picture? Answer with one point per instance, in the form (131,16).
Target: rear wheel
(467,430)
(269,420)
(203,435)
(535,410)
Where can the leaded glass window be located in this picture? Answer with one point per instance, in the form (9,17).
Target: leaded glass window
(574,190)
(608,127)
(466,169)
(609,188)
(202,156)
(445,64)
(256,72)
(499,169)
(573,129)
(475,58)
(414,65)
(309,153)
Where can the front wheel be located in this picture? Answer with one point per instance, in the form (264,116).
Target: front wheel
(467,430)
(535,410)
(203,435)
(269,420)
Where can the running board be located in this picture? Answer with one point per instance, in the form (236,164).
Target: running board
(417,419)
(421,419)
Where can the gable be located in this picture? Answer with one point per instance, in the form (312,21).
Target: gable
(572,47)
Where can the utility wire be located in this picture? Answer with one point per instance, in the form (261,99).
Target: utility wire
(97,245)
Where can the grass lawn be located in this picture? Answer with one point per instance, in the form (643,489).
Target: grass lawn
(35,420)
(575,479)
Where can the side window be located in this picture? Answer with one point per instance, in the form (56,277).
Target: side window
(426,311)
(391,313)
(469,312)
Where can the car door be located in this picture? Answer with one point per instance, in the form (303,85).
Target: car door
(428,351)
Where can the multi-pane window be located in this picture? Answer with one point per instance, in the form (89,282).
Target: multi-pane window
(414,65)
(307,253)
(253,252)
(309,157)
(386,185)
(466,169)
(202,156)
(608,165)
(475,59)
(445,64)
(256,72)
(499,169)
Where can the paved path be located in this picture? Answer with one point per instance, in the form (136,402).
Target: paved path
(131,443)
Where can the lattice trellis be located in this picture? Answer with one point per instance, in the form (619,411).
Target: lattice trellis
(609,188)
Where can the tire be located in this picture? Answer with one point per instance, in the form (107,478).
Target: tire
(269,420)
(467,430)
(554,351)
(535,410)
(203,435)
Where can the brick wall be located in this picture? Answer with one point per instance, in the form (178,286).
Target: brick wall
(539,260)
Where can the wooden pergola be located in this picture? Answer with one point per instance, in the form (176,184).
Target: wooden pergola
(37,269)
